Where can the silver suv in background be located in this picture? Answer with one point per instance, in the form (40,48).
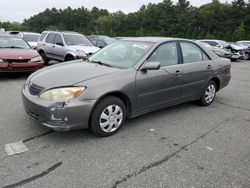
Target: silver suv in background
(64,46)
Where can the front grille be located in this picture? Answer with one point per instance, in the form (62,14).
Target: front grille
(35,89)
(17,60)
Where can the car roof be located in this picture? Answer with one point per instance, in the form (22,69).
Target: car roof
(11,36)
(63,32)
(152,39)
(31,33)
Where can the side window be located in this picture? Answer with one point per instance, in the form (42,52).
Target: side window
(94,41)
(50,38)
(42,36)
(205,57)
(192,53)
(58,39)
(100,43)
(166,54)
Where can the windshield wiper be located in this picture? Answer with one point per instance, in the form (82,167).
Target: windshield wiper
(101,63)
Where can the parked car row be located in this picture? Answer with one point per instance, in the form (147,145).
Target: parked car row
(66,46)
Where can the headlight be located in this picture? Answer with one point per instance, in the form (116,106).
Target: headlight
(36,59)
(62,94)
(1,60)
(80,53)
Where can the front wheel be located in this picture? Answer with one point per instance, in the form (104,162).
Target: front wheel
(208,94)
(45,59)
(108,117)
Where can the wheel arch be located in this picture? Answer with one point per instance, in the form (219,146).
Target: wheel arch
(68,55)
(122,96)
(217,81)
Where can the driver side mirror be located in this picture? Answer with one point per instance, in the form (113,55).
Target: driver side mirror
(153,65)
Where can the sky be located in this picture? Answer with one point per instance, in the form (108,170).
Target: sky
(18,10)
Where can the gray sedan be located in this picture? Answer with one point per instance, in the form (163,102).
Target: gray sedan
(126,79)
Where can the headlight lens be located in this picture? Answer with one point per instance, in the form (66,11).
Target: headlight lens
(36,59)
(80,53)
(1,61)
(62,94)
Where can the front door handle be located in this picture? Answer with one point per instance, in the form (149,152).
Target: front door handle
(209,67)
(177,72)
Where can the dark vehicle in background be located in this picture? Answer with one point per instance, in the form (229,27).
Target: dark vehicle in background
(17,56)
(126,79)
(101,40)
(64,46)
(30,37)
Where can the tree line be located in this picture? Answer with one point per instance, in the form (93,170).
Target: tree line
(215,20)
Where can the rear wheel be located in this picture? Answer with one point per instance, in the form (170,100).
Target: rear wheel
(45,59)
(208,94)
(108,117)
(246,56)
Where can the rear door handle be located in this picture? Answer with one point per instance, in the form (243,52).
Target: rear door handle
(209,67)
(177,72)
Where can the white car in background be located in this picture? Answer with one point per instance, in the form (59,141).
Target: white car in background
(30,37)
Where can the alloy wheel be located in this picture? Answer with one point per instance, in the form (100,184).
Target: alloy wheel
(210,93)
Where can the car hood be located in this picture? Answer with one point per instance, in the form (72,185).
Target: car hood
(69,74)
(33,44)
(86,49)
(236,47)
(221,51)
(13,53)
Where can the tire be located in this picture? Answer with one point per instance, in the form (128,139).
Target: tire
(247,56)
(69,58)
(108,117)
(45,59)
(209,94)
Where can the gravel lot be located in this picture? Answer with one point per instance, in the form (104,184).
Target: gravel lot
(182,146)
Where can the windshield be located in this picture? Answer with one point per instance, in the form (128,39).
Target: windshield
(122,54)
(9,42)
(31,37)
(109,40)
(76,40)
(206,45)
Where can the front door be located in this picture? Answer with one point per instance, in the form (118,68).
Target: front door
(155,88)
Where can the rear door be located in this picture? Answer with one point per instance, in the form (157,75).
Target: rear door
(197,69)
(155,88)
(49,45)
(59,49)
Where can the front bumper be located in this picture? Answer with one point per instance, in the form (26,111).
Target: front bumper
(21,67)
(60,116)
